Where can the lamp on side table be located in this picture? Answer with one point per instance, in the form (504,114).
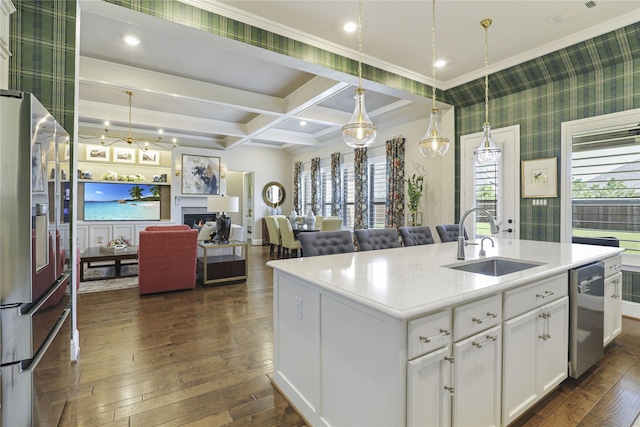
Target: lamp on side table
(222,204)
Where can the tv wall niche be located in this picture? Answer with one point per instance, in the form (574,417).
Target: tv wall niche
(123,201)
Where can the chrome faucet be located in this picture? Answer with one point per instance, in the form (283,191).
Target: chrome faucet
(483,253)
(461,242)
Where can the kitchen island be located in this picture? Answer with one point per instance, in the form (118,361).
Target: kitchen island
(397,337)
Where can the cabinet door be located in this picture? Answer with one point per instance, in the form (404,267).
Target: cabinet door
(519,377)
(428,402)
(612,307)
(477,378)
(553,344)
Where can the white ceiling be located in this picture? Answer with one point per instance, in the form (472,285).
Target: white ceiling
(211,92)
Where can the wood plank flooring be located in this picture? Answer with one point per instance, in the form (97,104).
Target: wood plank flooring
(203,357)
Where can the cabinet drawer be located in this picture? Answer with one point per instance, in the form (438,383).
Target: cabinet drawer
(477,316)
(534,295)
(612,265)
(428,333)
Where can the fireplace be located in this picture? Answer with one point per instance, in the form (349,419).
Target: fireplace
(195,220)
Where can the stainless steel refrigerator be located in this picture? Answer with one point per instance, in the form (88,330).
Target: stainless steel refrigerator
(34,297)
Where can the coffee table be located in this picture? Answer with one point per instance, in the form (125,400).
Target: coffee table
(95,255)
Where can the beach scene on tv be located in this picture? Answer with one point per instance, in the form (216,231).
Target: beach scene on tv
(121,201)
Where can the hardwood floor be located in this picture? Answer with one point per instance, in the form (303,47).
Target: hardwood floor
(203,357)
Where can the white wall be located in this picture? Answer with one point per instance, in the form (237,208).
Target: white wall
(437,202)
(267,164)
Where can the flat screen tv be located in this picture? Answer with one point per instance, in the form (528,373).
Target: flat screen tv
(121,201)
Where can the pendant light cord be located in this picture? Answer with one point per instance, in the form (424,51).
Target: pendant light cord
(486,23)
(360,44)
(433,50)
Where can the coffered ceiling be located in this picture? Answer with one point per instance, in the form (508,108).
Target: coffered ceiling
(212,92)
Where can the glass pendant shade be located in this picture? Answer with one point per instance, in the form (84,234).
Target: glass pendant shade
(360,131)
(434,143)
(487,152)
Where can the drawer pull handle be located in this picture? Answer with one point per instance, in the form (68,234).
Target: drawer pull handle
(449,389)
(443,332)
(489,315)
(615,266)
(480,344)
(449,359)
(546,294)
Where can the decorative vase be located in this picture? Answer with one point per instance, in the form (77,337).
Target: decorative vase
(311,221)
(292,217)
(415,219)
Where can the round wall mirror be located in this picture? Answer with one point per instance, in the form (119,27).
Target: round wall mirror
(273,194)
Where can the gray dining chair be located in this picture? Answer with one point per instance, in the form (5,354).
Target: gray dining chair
(372,239)
(450,232)
(415,236)
(326,243)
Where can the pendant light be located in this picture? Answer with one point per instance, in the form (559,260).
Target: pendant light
(433,143)
(487,152)
(360,131)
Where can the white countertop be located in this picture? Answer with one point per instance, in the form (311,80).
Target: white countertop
(410,281)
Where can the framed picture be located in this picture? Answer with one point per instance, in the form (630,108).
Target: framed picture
(539,178)
(37,169)
(124,155)
(200,174)
(97,153)
(150,157)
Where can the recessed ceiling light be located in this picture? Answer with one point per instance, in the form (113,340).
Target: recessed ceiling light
(303,123)
(440,63)
(350,27)
(131,40)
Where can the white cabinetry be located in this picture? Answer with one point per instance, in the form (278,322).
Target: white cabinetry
(477,363)
(429,373)
(612,307)
(612,298)
(536,335)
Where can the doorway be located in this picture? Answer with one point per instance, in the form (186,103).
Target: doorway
(495,187)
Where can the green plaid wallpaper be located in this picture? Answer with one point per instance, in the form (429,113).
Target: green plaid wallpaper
(43,44)
(584,81)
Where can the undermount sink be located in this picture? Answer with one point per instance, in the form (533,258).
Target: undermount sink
(494,266)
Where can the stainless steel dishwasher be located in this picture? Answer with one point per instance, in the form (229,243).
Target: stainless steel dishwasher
(586,320)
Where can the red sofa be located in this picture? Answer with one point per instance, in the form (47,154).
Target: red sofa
(167,257)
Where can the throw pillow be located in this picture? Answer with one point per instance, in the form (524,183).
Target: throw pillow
(208,228)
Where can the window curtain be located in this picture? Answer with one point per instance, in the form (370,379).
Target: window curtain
(336,185)
(394,207)
(316,186)
(297,169)
(361,193)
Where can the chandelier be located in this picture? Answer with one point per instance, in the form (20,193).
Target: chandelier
(487,152)
(142,143)
(433,143)
(360,131)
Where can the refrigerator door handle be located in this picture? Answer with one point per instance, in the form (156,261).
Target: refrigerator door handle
(31,309)
(45,346)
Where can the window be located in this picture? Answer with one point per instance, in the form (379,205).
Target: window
(348,196)
(486,196)
(325,200)
(377,194)
(605,185)
(306,192)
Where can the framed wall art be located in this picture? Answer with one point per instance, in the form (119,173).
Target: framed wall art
(539,178)
(124,155)
(97,153)
(200,174)
(149,157)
